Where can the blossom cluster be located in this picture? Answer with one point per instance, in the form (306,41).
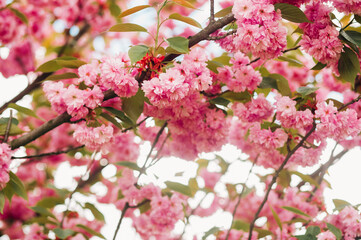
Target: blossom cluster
(240,76)
(258,29)
(5,158)
(320,38)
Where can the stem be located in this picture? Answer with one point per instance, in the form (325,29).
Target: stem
(8,127)
(124,210)
(211,19)
(239,199)
(63,118)
(49,153)
(137,125)
(152,148)
(275,178)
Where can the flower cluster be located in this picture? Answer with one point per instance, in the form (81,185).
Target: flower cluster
(259,30)
(5,159)
(241,76)
(93,138)
(320,37)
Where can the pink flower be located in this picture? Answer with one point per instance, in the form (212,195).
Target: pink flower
(94,97)
(89,73)
(93,138)
(5,159)
(326,236)
(210,178)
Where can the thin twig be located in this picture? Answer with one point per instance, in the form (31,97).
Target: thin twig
(349,103)
(8,127)
(222,36)
(124,210)
(49,153)
(239,198)
(152,148)
(211,3)
(76,189)
(275,176)
(157,157)
(284,51)
(137,125)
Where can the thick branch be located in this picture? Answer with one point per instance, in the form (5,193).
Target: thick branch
(63,118)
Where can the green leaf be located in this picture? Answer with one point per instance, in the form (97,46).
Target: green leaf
(220,101)
(15,186)
(134,105)
(2,202)
(120,115)
(268,82)
(133,10)
(214,65)
(291,61)
(337,232)
(96,213)
(193,184)
(184,3)
(50,202)
(190,21)
(145,207)
(63,233)
(6,120)
(355,36)
(178,187)
(114,9)
(131,165)
(319,66)
(237,96)
(305,178)
(340,204)
(43,211)
(20,15)
(296,210)
(210,232)
(70,63)
(306,237)
(91,231)
(179,44)
(348,65)
(304,91)
(14,130)
(136,53)
(358,18)
(224,12)
(50,66)
(282,84)
(313,230)
(223,59)
(277,218)
(112,120)
(127,27)
(23,110)
(291,13)
(67,75)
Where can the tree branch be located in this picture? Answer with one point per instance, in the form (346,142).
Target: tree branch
(124,210)
(37,82)
(275,176)
(8,127)
(239,199)
(48,154)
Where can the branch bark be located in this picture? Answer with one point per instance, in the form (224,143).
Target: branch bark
(64,118)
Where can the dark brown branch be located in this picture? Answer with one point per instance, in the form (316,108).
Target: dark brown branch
(222,36)
(63,118)
(37,82)
(124,210)
(49,153)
